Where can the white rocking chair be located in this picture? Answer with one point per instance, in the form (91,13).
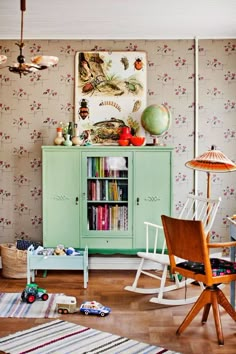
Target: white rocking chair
(195,208)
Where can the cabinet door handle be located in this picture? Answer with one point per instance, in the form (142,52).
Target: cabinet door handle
(137,201)
(76,200)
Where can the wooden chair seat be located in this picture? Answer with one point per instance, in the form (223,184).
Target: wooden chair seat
(219,267)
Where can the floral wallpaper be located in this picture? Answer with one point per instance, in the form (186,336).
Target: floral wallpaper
(32,107)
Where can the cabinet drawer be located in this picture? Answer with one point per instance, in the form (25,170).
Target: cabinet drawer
(107,243)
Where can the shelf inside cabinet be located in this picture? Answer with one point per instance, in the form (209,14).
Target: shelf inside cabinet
(107,166)
(107,190)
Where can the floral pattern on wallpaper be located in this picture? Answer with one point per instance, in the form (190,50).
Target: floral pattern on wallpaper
(31,108)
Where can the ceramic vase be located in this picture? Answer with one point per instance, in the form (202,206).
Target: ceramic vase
(59,140)
(125,133)
(76,140)
(67,142)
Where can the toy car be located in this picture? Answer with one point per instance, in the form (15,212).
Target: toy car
(32,292)
(94,308)
(66,304)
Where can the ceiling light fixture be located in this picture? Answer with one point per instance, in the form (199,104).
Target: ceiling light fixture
(39,62)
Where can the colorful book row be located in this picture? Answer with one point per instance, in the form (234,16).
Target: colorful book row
(107,217)
(108,190)
(107,166)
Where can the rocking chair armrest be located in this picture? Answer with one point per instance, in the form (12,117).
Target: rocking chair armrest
(153,225)
(222,244)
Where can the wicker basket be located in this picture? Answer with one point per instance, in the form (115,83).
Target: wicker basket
(14,261)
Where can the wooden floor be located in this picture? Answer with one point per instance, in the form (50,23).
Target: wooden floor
(132,314)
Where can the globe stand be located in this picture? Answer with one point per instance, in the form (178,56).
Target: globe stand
(155,140)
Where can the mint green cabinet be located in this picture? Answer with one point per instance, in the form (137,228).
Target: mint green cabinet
(99,196)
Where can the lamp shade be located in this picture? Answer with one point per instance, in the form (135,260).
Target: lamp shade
(212,161)
(45,60)
(3,59)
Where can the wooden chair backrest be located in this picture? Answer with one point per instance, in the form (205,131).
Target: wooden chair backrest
(187,239)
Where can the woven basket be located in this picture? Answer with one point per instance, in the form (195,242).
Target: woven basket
(14,261)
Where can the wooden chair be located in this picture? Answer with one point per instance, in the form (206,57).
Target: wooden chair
(187,239)
(195,208)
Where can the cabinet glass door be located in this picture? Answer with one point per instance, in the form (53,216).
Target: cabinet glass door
(106,194)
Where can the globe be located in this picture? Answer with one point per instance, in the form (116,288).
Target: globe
(156,119)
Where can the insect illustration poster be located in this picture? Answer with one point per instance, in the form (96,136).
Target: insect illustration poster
(110,92)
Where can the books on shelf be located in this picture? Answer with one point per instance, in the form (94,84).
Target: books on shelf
(102,167)
(108,217)
(107,190)
(107,193)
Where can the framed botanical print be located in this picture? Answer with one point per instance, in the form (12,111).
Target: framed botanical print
(110,92)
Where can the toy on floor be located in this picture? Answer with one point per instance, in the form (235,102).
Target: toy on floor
(94,308)
(32,292)
(68,304)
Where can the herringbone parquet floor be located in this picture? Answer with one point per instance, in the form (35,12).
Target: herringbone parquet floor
(132,314)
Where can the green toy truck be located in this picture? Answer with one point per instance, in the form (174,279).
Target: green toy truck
(32,292)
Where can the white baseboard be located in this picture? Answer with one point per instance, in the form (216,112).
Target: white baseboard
(126,263)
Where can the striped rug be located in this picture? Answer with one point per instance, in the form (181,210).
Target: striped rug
(62,337)
(12,306)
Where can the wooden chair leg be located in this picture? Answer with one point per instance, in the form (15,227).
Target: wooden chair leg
(203,300)
(224,302)
(206,313)
(210,297)
(216,314)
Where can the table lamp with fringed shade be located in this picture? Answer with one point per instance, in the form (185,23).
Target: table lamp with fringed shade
(211,161)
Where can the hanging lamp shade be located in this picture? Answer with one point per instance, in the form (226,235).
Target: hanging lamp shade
(38,62)
(212,161)
(3,59)
(44,60)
